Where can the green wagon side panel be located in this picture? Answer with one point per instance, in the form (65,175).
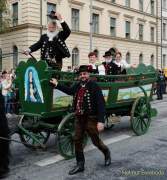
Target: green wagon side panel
(39,69)
(119,91)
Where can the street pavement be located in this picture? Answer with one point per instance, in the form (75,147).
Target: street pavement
(133,157)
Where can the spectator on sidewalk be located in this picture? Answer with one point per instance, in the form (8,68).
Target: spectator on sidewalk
(7,93)
(160,84)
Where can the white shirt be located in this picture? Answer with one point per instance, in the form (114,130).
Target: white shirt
(101,69)
(123,64)
(93,65)
(5,87)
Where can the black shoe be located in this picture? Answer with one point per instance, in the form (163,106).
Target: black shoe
(78,168)
(107,159)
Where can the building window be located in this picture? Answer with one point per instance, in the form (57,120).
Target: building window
(164,30)
(15,14)
(140,58)
(127,29)
(141,27)
(128,57)
(113,26)
(141,5)
(152,6)
(75,57)
(95,23)
(164,60)
(15,56)
(0,59)
(50,7)
(113,1)
(1,21)
(152,60)
(152,29)
(164,4)
(75,19)
(127,3)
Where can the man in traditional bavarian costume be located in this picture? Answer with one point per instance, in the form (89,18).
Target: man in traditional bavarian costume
(52,44)
(89,107)
(108,67)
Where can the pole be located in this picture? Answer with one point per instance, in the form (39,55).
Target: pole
(40,17)
(161,35)
(157,25)
(91,24)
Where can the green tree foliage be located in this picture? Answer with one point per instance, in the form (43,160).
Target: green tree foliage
(4,17)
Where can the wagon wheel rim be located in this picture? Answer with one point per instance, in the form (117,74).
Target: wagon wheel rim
(41,135)
(66,137)
(140,116)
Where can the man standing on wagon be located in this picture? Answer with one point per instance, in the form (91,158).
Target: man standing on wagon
(52,44)
(107,67)
(89,108)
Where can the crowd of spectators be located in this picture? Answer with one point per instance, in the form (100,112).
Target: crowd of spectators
(8,91)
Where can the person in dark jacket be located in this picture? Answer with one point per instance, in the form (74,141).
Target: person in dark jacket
(89,108)
(160,85)
(4,145)
(52,44)
(108,67)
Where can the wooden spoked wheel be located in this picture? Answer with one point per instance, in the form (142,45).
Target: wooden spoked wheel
(141,115)
(29,124)
(66,136)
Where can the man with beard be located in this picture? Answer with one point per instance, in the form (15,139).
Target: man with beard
(4,145)
(89,108)
(107,67)
(52,44)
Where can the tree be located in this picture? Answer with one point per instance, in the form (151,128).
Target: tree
(4,18)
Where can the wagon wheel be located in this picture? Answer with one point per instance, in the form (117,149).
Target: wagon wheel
(27,123)
(141,115)
(65,139)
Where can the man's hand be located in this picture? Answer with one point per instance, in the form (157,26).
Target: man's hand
(26,52)
(54,81)
(100,126)
(59,17)
(134,66)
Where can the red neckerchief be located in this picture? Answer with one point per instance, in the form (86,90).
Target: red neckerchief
(107,67)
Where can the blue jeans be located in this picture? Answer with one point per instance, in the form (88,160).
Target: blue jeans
(7,104)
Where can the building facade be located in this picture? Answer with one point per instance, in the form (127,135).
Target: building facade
(164,33)
(132,27)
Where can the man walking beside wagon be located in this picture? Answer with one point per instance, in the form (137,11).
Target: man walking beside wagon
(89,108)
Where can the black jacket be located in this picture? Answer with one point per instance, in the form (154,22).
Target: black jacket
(112,68)
(57,47)
(96,98)
(4,132)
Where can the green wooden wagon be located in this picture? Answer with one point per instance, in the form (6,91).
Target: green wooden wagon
(46,110)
